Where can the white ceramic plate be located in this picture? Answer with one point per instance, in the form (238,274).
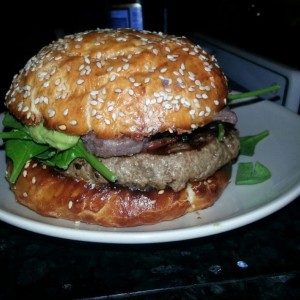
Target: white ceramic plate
(238,206)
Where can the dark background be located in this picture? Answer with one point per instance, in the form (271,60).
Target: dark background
(267,28)
(43,267)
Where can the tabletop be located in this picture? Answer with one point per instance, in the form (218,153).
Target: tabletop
(256,261)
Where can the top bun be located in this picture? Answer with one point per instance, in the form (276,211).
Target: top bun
(119,82)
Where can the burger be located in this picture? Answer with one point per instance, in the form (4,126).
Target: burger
(119,127)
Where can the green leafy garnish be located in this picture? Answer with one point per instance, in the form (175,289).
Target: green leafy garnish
(248,143)
(248,173)
(64,158)
(221,132)
(21,146)
(255,93)
(20,151)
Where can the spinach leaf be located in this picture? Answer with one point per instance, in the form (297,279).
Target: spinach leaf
(20,151)
(21,146)
(248,173)
(248,143)
(63,158)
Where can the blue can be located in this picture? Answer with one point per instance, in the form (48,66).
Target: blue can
(126,14)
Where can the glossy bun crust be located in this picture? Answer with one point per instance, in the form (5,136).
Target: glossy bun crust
(119,83)
(53,194)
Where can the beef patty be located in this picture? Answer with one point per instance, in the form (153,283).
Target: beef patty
(148,170)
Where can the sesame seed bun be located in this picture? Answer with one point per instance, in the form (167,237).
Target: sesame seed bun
(119,83)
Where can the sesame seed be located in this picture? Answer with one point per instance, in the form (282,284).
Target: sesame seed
(24,173)
(94,93)
(98,64)
(57,81)
(62,127)
(98,55)
(51,113)
(107,121)
(160,99)
(118,91)
(87,60)
(147,79)
(70,204)
(80,81)
(192,112)
(94,102)
(110,108)
(25,194)
(66,111)
(73,122)
(130,92)
(216,102)
(202,57)
(163,70)
(33,180)
(167,105)
(83,72)
(204,96)
(184,102)
(112,77)
(196,103)
(46,84)
(125,67)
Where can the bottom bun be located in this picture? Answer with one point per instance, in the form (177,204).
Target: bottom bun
(53,194)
